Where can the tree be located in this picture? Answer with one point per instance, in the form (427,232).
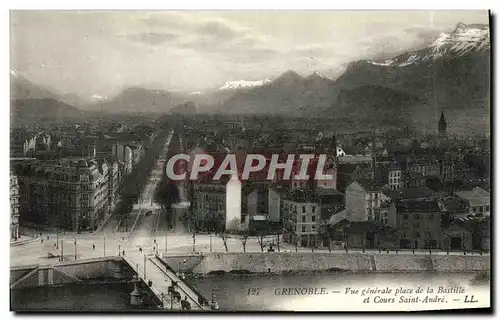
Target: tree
(295,240)
(244,239)
(260,240)
(278,233)
(224,236)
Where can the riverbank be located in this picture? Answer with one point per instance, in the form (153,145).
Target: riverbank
(292,263)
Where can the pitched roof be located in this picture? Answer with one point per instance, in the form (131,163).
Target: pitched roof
(417,206)
(368,185)
(476,197)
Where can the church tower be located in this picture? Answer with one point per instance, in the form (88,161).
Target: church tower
(442,125)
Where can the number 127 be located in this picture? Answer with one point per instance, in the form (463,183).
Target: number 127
(253,291)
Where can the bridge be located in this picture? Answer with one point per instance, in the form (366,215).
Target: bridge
(166,285)
(137,258)
(155,274)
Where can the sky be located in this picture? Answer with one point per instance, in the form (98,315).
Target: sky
(102,52)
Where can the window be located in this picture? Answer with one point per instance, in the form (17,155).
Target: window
(303,218)
(474,209)
(303,228)
(314,228)
(313,218)
(303,209)
(480,209)
(376,195)
(314,209)
(405,216)
(487,208)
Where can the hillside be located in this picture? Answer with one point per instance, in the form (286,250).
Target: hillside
(136,99)
(33,110)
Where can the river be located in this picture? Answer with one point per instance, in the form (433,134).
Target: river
(264,293)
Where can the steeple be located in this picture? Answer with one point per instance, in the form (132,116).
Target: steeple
(442,125)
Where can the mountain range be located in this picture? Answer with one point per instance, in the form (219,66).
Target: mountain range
(452,73)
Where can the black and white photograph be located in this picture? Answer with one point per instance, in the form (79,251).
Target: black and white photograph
(250,160)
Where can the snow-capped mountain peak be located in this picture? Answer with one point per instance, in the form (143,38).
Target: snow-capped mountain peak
(317,74)
(98,97)
(463,39)
(243,84)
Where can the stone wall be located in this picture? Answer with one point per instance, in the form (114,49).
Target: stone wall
(299,262)
(458,263)
(402,262)
(69,272)
(275,262)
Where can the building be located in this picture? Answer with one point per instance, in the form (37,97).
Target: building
(412,179)
(124,155)
(458,236)
(425,165)
(137,151)
(78,146)
(394,173)
(453,206)
(479,201)
(209,205)
(442,125)
(114,180)
(419,223)
(363,200)
(217,204)
(276,194)
(301,218)
(21,141)
(233,204)
(14,207)
(71,194)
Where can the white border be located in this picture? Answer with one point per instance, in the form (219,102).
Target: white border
(182,5)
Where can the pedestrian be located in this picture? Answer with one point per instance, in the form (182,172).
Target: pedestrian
(123,252)
(154,241)
(47,237)
(93,246)
(41,240)
(140,249)
(153,248)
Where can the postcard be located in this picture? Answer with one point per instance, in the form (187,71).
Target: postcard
(216,161)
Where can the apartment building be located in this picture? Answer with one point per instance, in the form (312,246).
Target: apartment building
(69,193)
(363,200)
(302,217)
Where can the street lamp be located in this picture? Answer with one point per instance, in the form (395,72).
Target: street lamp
(172,296)
(144,266)
(165,242)
(62,251)
(119,249)
(75,248)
